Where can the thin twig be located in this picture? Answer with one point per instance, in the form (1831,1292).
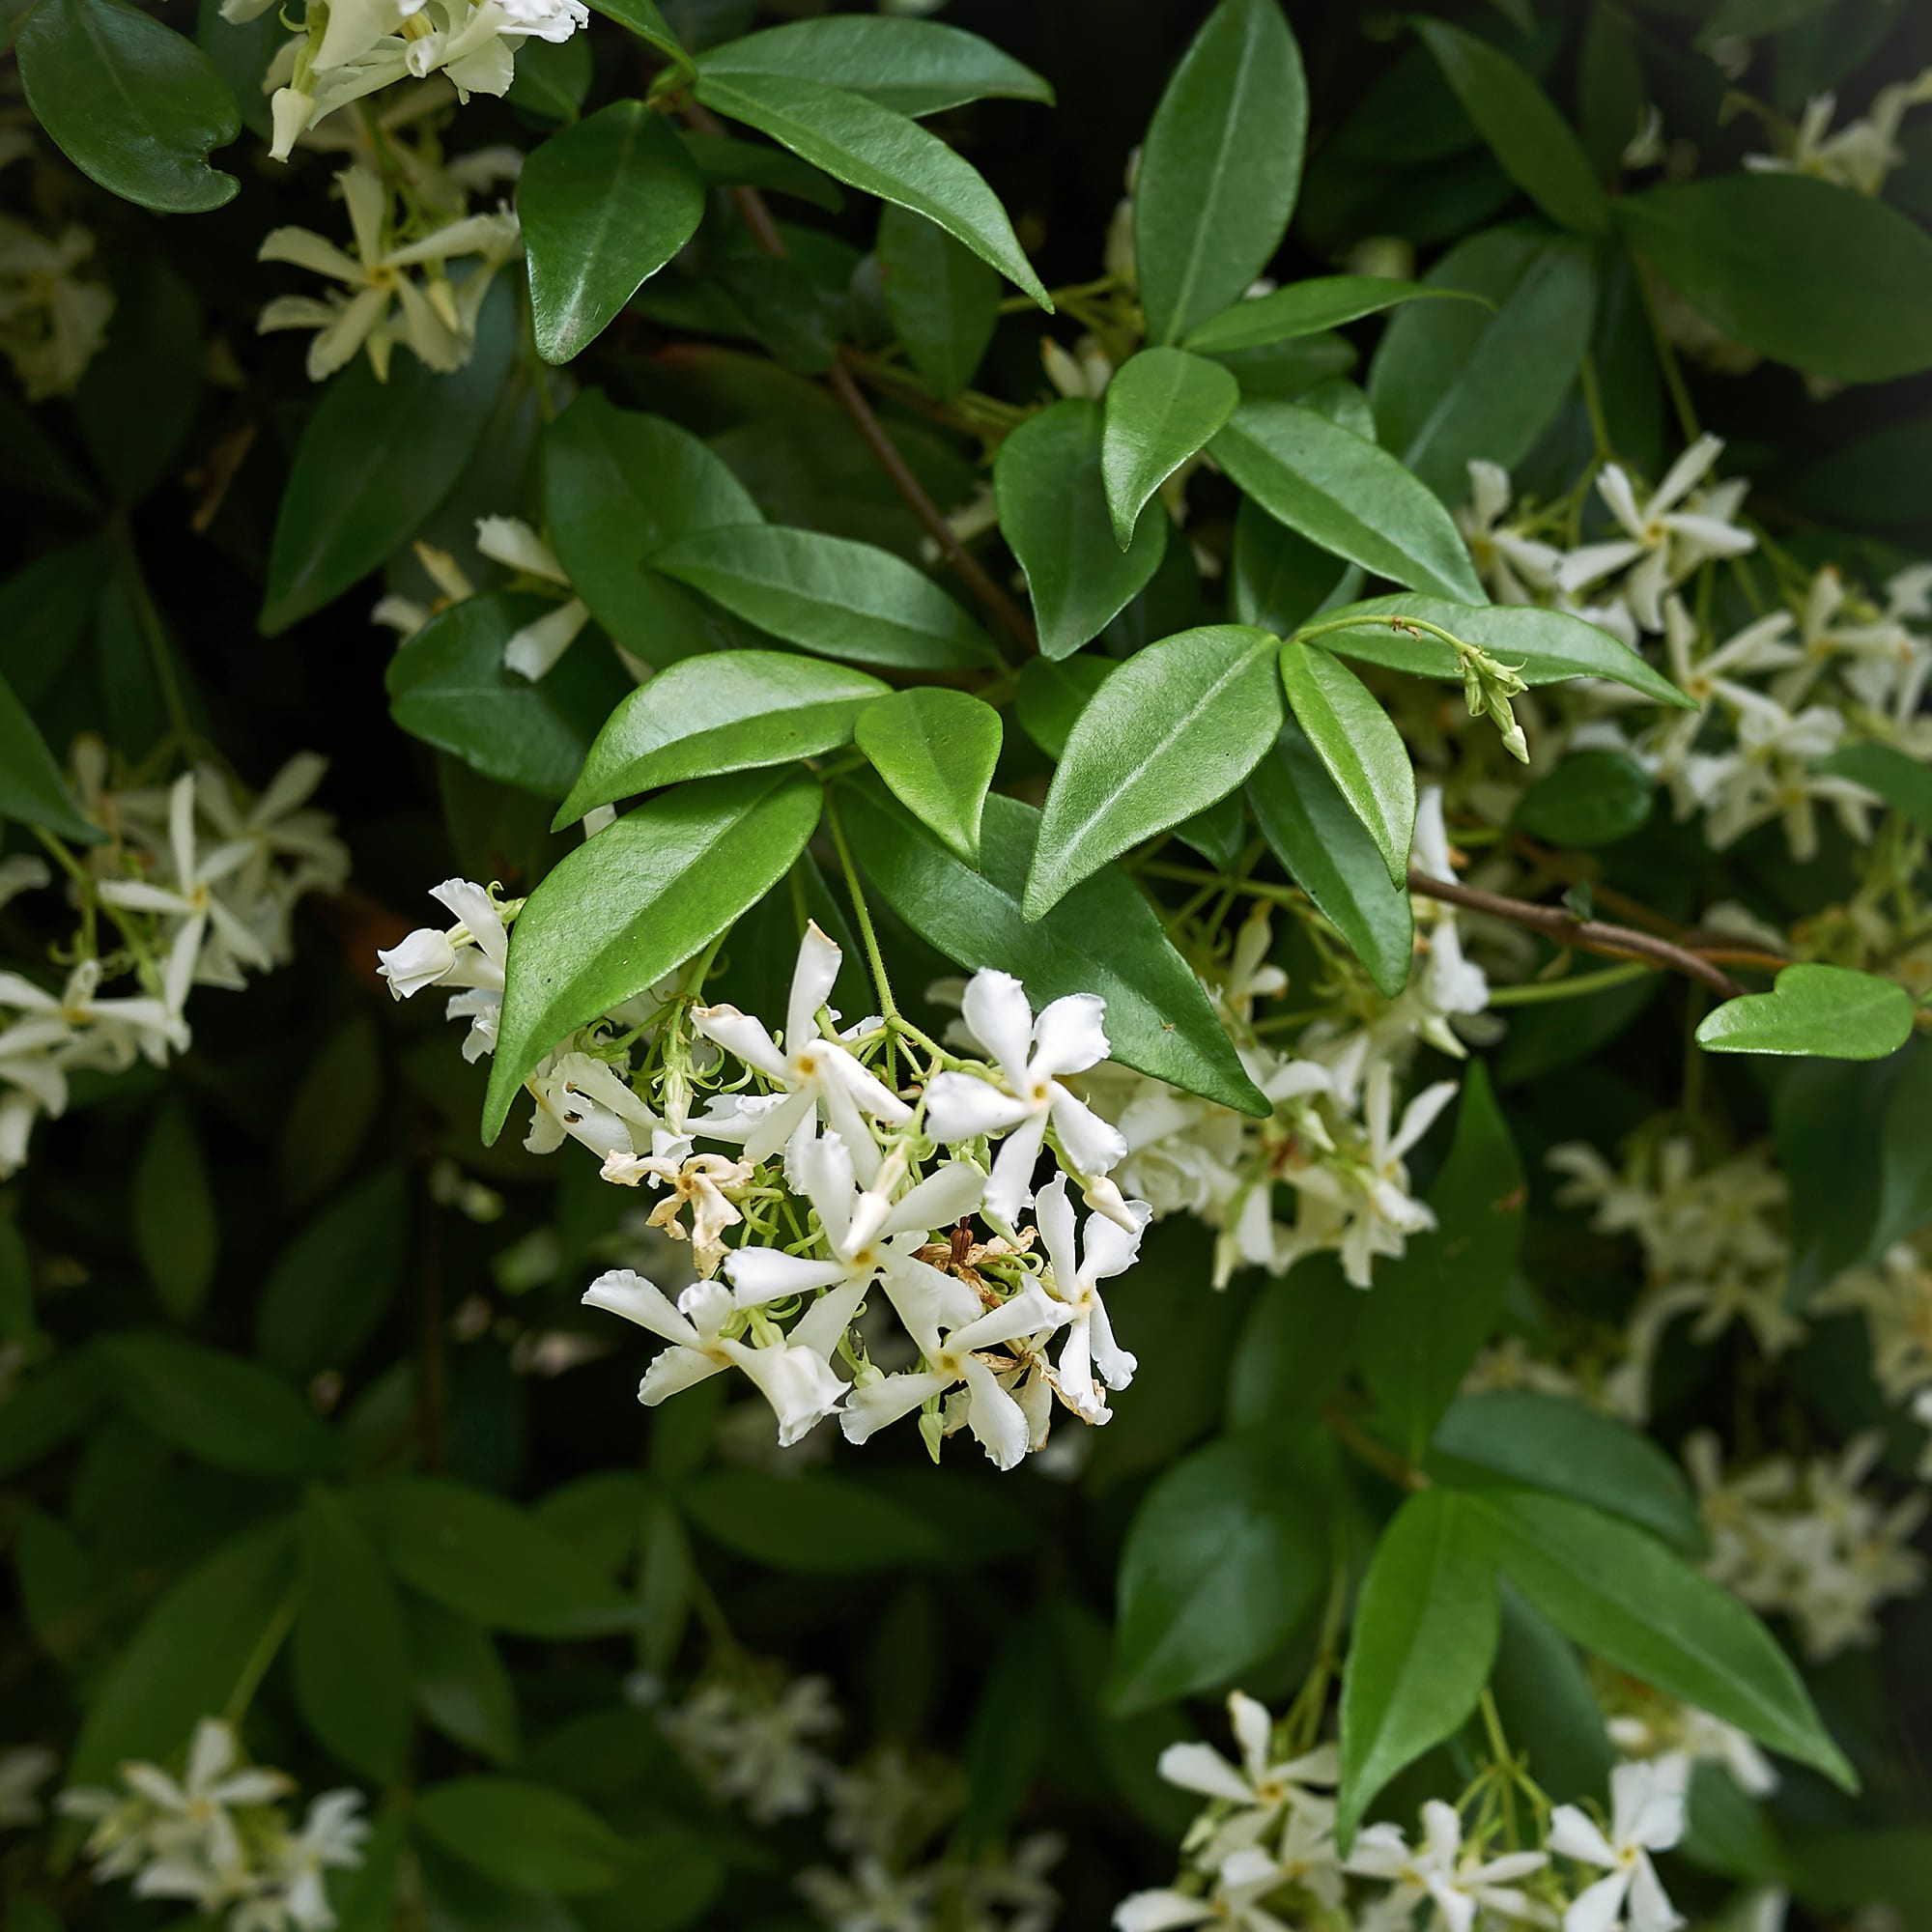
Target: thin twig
(1585,935)
(999,605)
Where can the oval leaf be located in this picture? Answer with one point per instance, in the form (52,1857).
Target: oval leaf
(1175,727)
(1305,308)
(943,300)
(935,750)
(1592,798)
(1823,1012)
(636,900)
(525,1836)
(32,789)
(604,206)
(1162,405)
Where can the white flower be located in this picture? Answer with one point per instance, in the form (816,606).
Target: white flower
(1513,567)
(750,1744)
(473,955)
(1380,1213)
(23,1770)
(533,650)
(817,1072)
(1439,1869)
(1090,1347)
(1863,152)
(52,324)
(1260,1787)
(1455,984)
(330,1839)
(796,1380)
(1647,1816)
(115,1028)
(1032,1054)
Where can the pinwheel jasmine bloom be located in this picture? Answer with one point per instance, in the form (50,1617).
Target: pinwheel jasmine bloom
(1664,541)
(1031,1055)
(114,1030)
(1245,1878)
(816,1070)
(796,1380)
(52,324)
(1090,1349)
(330,1839)
(1260,1788)
(994,1417)
(1647,1816)
(534,650)
(470,954)
(1514,567)
(1459,1881)
(23,1770)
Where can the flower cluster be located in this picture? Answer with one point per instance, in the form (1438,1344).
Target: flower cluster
(217,1838)
(1263,1854)
(195,885)
(53,314)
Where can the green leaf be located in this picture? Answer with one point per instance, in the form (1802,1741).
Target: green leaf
(458,1683)
(176,1228)
(913,67)
(190,1652)
(1549,1443)
(374,460)
(552,77)
(1052,693)
(1162,407)
(1049,487)
(1307,308)
(812,1524)
(1451,382)
(1424,1636)
(1223,1559)
(1435,1303)
(1175,727)
(1102,938)
(217,1407)
(726,162)
(1541,647)
(32,789)
(644,19)
(134,105)
(944,302)
(618,487)
(51,1404)
(1549,1705)
(879,153)
(526,1836)
(1903,781)
(829,594)
(1220,167)
(351,1669)
(1835,1870)
(1625,1597)
(334,1281)
(1361,750)
(1327,851)
(1825,1013)
(449,686)
(638,900)
(479,1556)
(1281,580)
(1343,492)
(936,749)
(604,205)
(1524,129)
(1832,282)
(1592,798)
(1298,1343)
(724,711)
(138,398)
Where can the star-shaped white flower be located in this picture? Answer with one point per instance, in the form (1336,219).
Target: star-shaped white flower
(1646,1815)
(473,955)
(1513,567)
(1090,1347)
(1261,1787)
(1438,1868)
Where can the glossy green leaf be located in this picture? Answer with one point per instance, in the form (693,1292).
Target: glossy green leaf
(50,1405)
(1834,1870)
(618,487)
(935,750)
(1280,579)
(829,594)
(725,711)
(1452,382)
(1622,1594)
(1435,1303)
(553,77)
(138,399)
(1223,1559)
(1306,308)
(1424,1636)
(1903,781)
(1329,852)
(333,1282)
(1549,1443)
(1175,727)
(486,1560)
(1541,647)
(603,205)
(1220,167)
(449,686)
(913,67)
(374,460)
(1051,695)
(879,153)
(943,300)
(1831,281)
(638,900)
(31,790)
(1823,1012)
(1346,494)
(1162,407)
(1549,1705)
(1592,798)
(221,1410)
(1216,831)
(351,1669)
(1523,127)
(1049,487)
(813,1524)
(458,1681)
(176,1226)
(134,105)
(644,19)
(1361,748)
(726,162)
(526,1835)
(1102,938)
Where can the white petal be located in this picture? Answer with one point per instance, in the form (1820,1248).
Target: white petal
(797,1383)
(1069,1036)
(1198,1767)
(874,1407)
(740,1033)
(995,1419)
(1090,1143)
(995,1006)
(1053,1214)
(674,1370)
(623,1293)
(1572,1836)
(758,1275)
(1009,1186)
(811,981)
(1161,1912)
(945,1196)
(961,1106)
(1596,1910)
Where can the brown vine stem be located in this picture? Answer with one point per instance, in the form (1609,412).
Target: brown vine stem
(843,385)
(1587,935)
